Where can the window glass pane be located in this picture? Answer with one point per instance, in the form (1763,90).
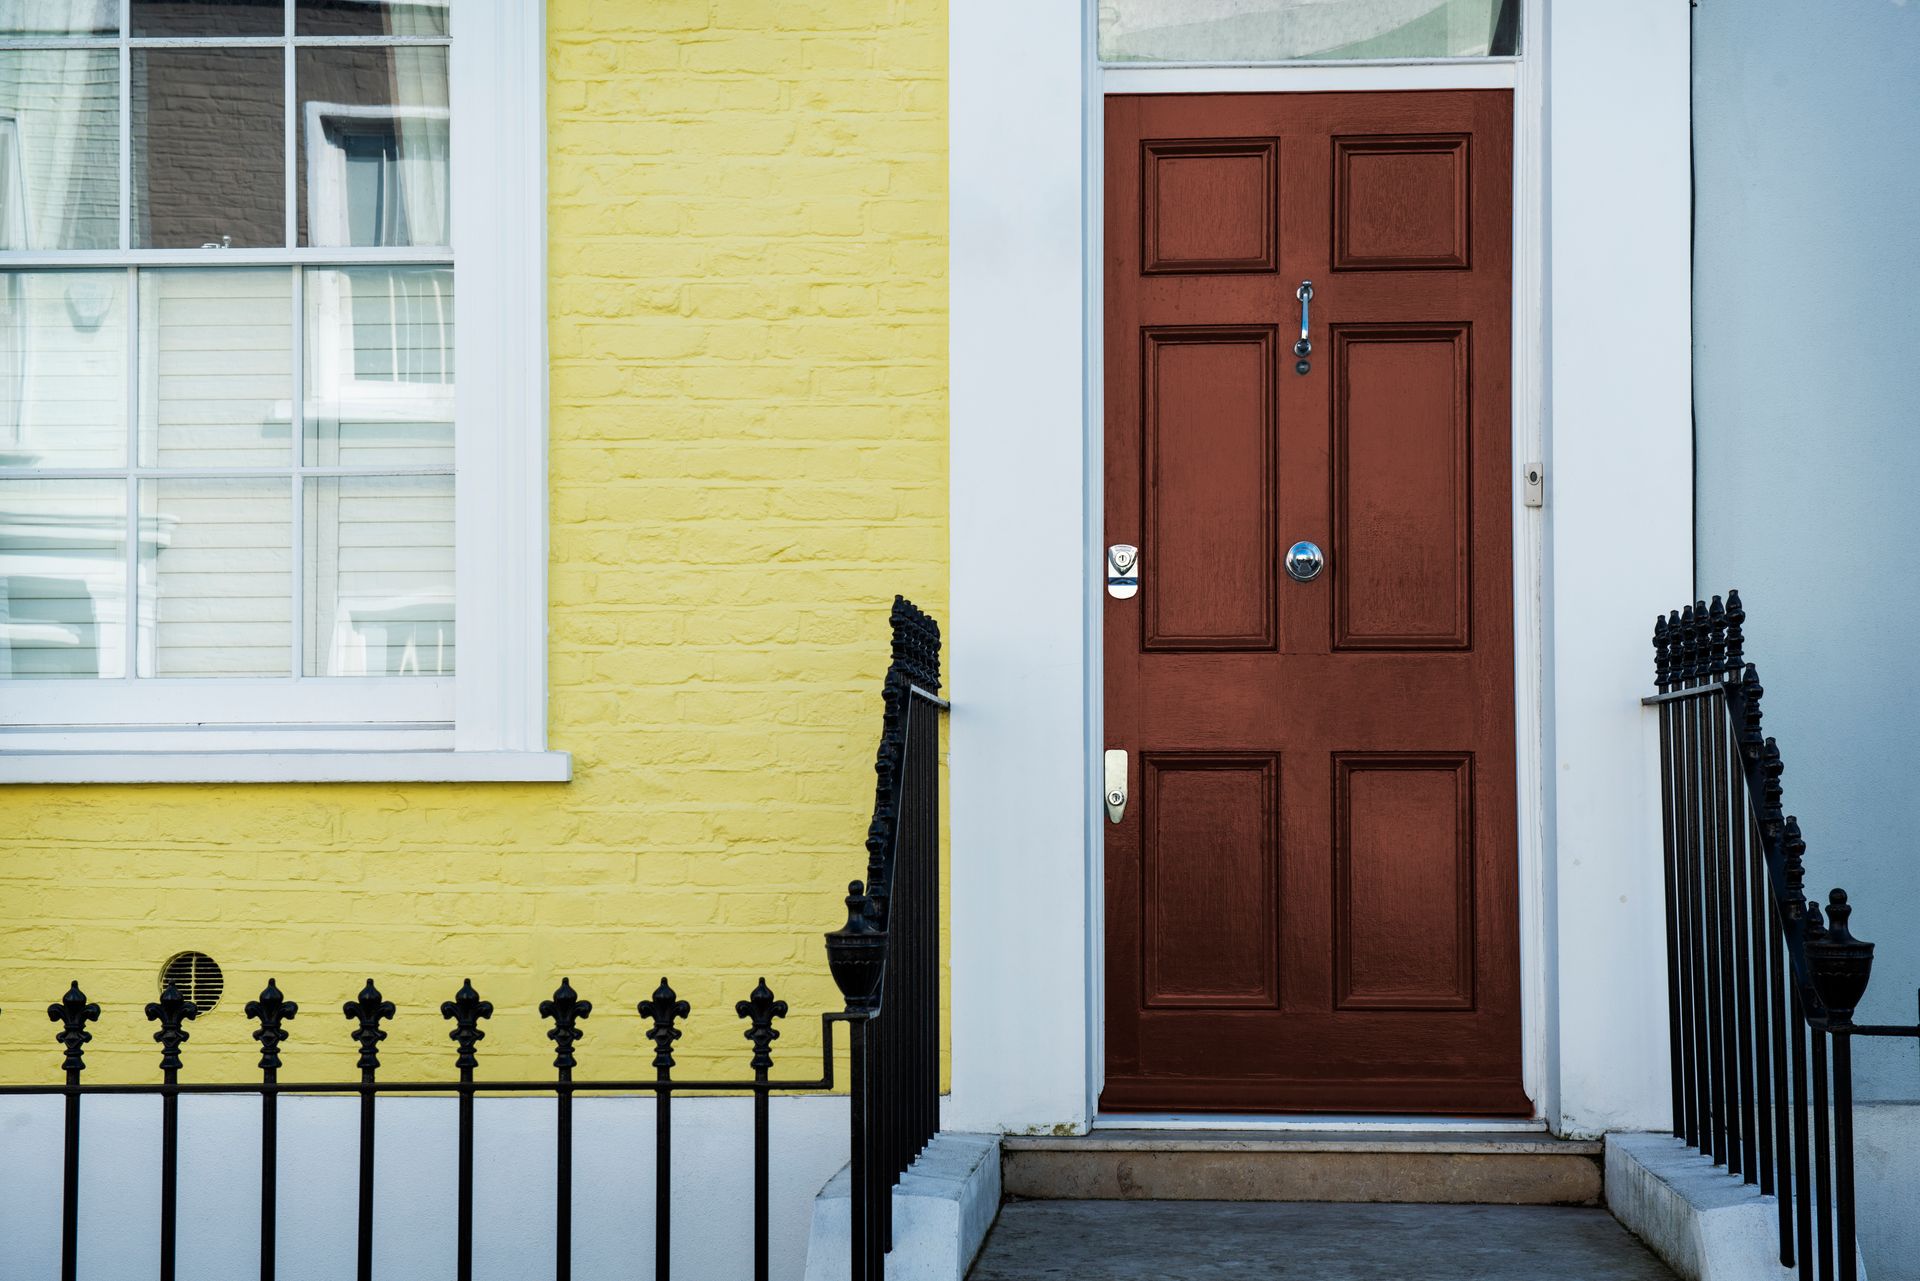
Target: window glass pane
(380,367)
(59,17)
(1279,30)
(372,17)
(379,576)
(208,137)
(63,575)
(216,367)
(373,146)
(63,368)
(216,577)
(59,149)
(209,17)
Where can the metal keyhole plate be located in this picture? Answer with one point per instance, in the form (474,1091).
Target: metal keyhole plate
(1305,561)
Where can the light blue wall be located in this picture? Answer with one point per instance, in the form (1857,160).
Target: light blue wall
(1807,386)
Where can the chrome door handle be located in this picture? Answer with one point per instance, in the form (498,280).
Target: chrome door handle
(1305,561)
(1116,789)
(1304,347)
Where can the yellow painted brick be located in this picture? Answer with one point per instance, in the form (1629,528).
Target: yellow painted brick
(747,255)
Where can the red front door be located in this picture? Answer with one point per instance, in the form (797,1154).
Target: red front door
(1310,896)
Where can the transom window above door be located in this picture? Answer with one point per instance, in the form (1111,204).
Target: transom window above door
(228,419)
(1251,31)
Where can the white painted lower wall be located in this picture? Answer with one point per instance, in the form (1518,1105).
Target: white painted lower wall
(1886,1165)
(513,1186)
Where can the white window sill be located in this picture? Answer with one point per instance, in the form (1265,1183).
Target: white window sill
(286,767)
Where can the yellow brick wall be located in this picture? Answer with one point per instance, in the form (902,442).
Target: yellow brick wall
(748,345)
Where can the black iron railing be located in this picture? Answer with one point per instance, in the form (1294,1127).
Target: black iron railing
(1759,984)
(886,960)
(366,1014)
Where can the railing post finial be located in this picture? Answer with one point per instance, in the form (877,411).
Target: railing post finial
(663,1007)
(271,1011)
(856,953)
(1736,632)
(760,1010)
(1841,963)
(1662,659)
(1716,638)
(566,1009)
(171,1011)
(466,1009)
(73,1012)
(1794,874)
(366,1010)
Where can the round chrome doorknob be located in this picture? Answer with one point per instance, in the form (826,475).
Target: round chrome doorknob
(1305,561)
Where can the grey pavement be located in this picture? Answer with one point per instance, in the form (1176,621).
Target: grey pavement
(1265,1241)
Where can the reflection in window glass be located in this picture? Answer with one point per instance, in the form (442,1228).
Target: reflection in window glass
(207,169)
(216,577)
(63,368)
(208,17)
(380,367)
(59,17)
(1283,30)
(378,572)
(59,149)
(216,367)
(372,17)
(373,146)
(63,575)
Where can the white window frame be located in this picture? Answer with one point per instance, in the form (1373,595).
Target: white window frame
(489,720)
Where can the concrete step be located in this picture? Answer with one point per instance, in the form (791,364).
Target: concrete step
(1485,1168)
(1219,1241)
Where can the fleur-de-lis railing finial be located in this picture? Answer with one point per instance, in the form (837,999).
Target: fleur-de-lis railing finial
(663,1007)
(366,1011)
(566,1009)
(466,1009)
(73,1012)
(271,1011)
(171,1011)
(760,1010)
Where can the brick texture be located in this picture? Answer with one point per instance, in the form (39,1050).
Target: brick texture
(748,357)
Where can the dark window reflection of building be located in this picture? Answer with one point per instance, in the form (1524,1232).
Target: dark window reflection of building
(209,137)
(208,17)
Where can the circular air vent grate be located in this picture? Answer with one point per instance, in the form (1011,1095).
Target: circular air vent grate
(197,977)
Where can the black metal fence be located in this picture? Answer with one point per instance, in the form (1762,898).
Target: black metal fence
(885,959)
(1760,985)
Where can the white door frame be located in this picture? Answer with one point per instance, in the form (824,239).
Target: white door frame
(1027,479)
(1514,75)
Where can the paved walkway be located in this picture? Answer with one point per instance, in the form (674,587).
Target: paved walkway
(1259,1241)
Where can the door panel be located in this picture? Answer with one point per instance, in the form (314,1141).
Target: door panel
(1208,445)
(1401,475)
(1311,904)
(1211,851)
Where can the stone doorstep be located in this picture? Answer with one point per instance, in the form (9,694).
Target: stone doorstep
(1469,1167)
(942,1209)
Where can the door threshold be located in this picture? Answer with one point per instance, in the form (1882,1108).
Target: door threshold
(1364,1122)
